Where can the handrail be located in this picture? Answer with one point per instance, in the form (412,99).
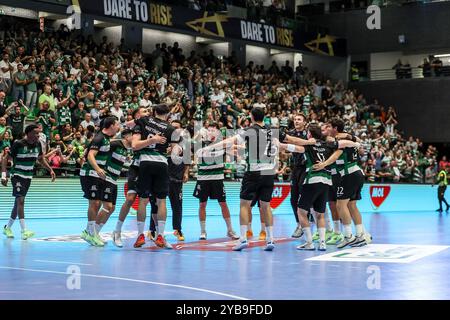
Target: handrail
(406,73)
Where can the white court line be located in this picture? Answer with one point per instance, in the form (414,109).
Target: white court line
(335,265)
(64,262)
(131,280)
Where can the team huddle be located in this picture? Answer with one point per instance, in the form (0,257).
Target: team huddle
(325,170)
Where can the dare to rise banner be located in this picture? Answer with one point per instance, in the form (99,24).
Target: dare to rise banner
(212,24)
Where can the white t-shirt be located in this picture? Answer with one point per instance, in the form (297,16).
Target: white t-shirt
(117,113)
(86,124)
(218,97)
(7,74)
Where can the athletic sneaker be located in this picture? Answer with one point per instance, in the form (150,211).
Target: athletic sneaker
(99,237)
(97,241)
(8,232)
(179,235)
(316,236)
(335,238)
(262,235)
(298,232)
(328,234)
(368,237)
(151,235)
(202,236)
(269,246)
(117,239)
(26,234)
(360,241)
(231,234)
(346,242)
(249,234)
(241,245)
(140,241)
(307,246)
(86,237)
(322,246)
(162,243)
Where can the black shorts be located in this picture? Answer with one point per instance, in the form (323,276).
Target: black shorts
(109,192)
(92,187)
(298,177)
(20,186)
(257,186)
(133,174)
(213,189)
(351,186)
(332,194)
(153,179)
(314,196)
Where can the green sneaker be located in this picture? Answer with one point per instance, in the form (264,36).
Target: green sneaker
(316,236)
(8,232)
(328,234)
(335,238)
(87,237)
(26,234)
(96,241)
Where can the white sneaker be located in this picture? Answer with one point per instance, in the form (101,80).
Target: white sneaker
(360,241)
(368,237)
(346,242)
(167,245)
(202,236)
(101,239)
(307,246)
(117,239)
(231,234)
(241,245)
(322,246)
(298,232)
(269,246)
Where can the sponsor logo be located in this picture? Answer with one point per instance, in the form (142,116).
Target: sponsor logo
(389,253)
(279,194)
(378,194)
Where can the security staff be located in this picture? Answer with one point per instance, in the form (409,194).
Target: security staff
(442,181)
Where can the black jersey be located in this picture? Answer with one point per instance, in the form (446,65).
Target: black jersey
(348,162)
(150,126)
(298,159)
(319,152)
(260,149)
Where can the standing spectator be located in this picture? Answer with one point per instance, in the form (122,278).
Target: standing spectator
(16,121)
(48,97)
(19,82)
(31,88)
(47,119)
(5,73)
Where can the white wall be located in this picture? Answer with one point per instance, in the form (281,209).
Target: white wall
(220,49)
(114,34)
(151,37)
(260,55)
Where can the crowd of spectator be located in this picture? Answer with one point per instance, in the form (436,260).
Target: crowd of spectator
(67,83)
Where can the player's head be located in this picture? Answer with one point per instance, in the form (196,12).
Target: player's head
(161,110)
(300,121)
(110,126)
(337,125)
(140,113)
(325,127)
(32,133)
(314,131)
(257,115)
(213,132)
(127,135)
(176,124)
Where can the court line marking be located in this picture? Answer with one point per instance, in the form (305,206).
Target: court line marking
(64,262)
(130,280)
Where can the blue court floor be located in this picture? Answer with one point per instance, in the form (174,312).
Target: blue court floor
(408,259)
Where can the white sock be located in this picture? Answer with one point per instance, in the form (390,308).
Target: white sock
(203,226)
(314,215)
(328,221)
(98,227)
(141,227)
(10,222)
(321,234)
(359,229)
(22,224)
(348,230)
(337,226)
(119,226)
(91,227)
(308,235)
(228,222)
(243,233)
(269,231)
(263,226)
(161,227)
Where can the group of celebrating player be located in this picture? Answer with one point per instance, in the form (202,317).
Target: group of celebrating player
(325,170)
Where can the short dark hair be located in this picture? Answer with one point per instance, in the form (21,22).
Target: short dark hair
(258,114)
(161,109)
(30,128)
(338,124)
(108,122)
(214,125)
(315,131)
(126,132)
(303,116)
(177,121)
